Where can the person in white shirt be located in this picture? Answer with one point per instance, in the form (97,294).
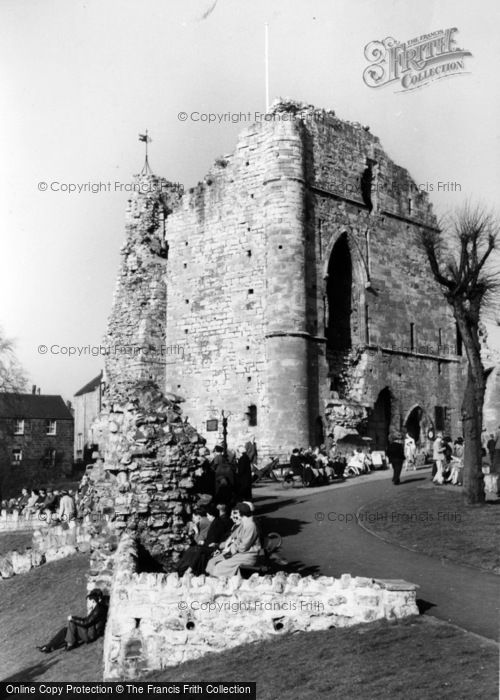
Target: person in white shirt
(438,457)
(67,508)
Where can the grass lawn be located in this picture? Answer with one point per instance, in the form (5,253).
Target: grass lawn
(33,607)
(435,521)
(15,540)
(414,659)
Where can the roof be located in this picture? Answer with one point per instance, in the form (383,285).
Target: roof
(48,406)
(91,386)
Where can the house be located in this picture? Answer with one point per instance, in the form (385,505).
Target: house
(87,403)
(36,440)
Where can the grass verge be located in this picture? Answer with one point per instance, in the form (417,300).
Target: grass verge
(413,659)
(33,607)
(437,522)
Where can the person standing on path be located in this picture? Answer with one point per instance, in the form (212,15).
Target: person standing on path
(396,456)
(438,456)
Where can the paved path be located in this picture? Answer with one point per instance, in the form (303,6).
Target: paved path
(332,546)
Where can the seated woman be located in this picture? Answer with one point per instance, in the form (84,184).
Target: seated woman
(240,549)
(196,557)
(81,629)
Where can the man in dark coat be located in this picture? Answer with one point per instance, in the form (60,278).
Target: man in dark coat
(396,455)
(81,629)
(244,476)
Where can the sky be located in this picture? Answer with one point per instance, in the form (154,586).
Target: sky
(80,80)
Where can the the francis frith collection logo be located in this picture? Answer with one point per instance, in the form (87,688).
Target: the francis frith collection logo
(416,62)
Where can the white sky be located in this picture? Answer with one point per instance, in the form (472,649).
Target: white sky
(80,80)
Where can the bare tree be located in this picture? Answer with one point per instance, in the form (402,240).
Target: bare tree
(459,256)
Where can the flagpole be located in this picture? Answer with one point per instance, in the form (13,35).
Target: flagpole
(266,62)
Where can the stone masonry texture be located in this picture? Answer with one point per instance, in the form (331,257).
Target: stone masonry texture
(159,620)
(247,288)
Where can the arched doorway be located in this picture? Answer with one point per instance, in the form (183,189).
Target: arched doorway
(339,294)
(338,319)
(413,424)
(379,420)
(417,425)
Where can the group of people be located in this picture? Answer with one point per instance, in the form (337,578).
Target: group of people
(448,459)
(221,544)
(226,477)
(320,466)
(48,504)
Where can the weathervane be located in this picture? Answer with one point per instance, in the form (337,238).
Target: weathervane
(146,170)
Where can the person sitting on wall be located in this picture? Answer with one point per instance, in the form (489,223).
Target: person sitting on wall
(196,557)
(240,549)
(22,501)
(31,504)
(66,510)
(81,629)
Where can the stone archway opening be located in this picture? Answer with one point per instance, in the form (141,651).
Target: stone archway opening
(413,424)
(339,294)
(417,425)
(379,420)
(338,329)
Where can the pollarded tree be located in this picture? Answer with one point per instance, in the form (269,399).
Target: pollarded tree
(460,260)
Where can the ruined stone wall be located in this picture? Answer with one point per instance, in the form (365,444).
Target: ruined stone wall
(248,259)
(392,284)
(135,338)
(159,620)
(148,449)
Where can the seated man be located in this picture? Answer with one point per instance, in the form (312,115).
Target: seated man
(81,629)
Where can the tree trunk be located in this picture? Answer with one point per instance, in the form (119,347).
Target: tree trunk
(472,412)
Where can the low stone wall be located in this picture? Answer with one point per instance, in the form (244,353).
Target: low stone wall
(48,544)
(159,620)
(14,522)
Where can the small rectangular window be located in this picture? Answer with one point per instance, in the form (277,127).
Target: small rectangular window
(79,441)
(252,415)
(17,456)
(439,417)
(51,427)
(412,337)
(459,347)
(19,426)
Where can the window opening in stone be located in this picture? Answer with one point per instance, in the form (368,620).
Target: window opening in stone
(366,185)
(367,325)
(459,345)
(439,416)
(339,293)
(252,415)
(412,337)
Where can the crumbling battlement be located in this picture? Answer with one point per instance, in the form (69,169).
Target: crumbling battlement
(158,620)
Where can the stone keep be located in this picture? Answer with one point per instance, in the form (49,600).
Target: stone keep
(299,293)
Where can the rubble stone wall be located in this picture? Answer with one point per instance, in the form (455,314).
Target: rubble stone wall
(48,544)
(159,620)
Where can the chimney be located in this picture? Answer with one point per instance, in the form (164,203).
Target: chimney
(33,389)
